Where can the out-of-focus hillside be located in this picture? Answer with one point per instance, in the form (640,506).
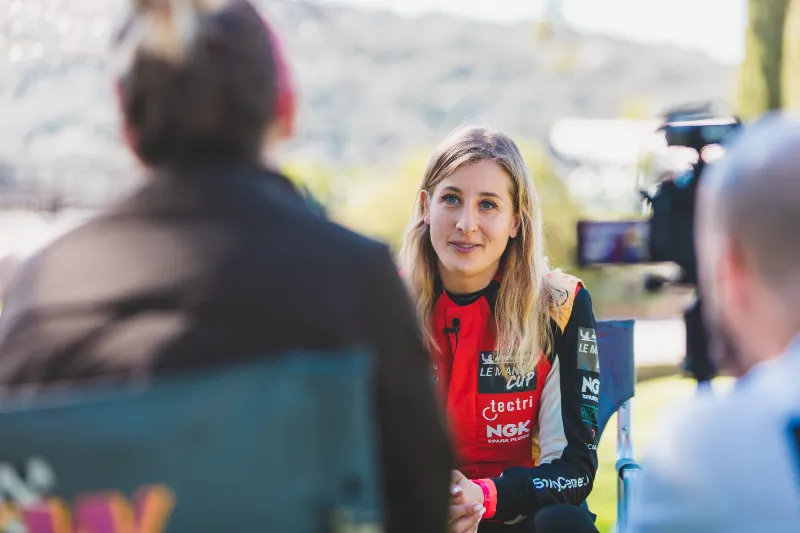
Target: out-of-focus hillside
(373,84)
(377,91)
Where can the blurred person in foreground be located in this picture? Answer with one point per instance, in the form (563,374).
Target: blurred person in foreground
(217,258)
(513,342)
(731,462)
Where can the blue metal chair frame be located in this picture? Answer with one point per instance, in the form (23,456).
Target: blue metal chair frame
(617,388)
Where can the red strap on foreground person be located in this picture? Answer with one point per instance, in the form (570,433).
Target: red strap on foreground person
(284,82)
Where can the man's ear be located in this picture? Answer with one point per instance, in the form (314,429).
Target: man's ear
(734,274)
(424,200)
(515,227)
(128,134)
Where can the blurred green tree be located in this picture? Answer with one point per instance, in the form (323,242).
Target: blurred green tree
(636,109)
(317,182)
(790,73)
(759,88)
(380,206)
(383,208)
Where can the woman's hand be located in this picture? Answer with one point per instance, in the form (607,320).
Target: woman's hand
(472,491)
(464,515)
(465,511)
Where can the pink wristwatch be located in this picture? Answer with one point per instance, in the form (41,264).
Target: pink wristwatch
(489,496)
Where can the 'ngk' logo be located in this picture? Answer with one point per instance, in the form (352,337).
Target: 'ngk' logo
(509,430)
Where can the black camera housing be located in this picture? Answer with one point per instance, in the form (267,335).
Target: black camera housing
(673,204)
(700,133)
(670,229)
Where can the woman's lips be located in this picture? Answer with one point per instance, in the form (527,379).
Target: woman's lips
(464,247)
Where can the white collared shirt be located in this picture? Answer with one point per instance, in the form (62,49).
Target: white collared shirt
(727,462)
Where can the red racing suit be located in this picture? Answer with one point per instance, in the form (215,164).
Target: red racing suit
(534,436)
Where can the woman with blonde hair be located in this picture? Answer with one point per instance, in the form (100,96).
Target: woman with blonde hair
(513,343)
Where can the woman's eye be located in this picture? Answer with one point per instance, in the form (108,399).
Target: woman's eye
(486,204)
(450,199)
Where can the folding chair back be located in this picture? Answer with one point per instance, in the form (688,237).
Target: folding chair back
(617,387)
(281,444)
(617,368)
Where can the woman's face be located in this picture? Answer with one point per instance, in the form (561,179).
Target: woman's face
(471,218)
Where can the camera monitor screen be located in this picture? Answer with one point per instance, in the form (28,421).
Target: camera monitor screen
(613,242)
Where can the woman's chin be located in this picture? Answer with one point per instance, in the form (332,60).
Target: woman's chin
(465,269)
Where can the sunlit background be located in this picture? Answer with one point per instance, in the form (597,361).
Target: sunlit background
(580,84)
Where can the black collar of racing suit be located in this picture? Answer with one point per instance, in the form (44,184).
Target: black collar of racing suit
(489,292)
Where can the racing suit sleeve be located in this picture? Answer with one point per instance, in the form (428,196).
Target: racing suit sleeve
(567,425)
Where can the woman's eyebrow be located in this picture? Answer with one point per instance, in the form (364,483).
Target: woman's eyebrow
(490,195)
(456,190)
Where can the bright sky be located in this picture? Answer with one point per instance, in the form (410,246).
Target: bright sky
(714,26)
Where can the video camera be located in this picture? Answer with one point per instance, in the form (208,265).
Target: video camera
(667,236)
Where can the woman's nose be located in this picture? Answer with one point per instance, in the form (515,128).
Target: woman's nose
(467,222)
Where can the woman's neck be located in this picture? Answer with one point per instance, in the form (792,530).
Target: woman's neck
(457,283)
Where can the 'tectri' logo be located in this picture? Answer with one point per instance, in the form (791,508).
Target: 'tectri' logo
(490,412)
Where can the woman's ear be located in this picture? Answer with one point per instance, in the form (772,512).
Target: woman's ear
(424,200)
(515,227)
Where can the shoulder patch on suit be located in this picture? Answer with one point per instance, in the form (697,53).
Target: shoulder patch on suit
(563,288)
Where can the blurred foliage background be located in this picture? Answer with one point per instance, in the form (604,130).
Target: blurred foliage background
(379,203)
(381,206)
(769,76)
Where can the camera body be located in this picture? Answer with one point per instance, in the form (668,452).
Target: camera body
(673,204)
(668,235)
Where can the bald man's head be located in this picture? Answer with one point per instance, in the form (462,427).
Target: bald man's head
(749,232)
(755,196)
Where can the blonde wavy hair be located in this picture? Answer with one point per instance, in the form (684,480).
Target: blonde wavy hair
(524,299)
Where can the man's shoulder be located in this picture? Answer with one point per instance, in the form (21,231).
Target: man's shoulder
(707,428)
(303,220)
(329,239)
(262,211)
(718,451)
(313,251)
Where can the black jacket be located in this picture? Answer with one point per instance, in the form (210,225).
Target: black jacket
(212,266)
